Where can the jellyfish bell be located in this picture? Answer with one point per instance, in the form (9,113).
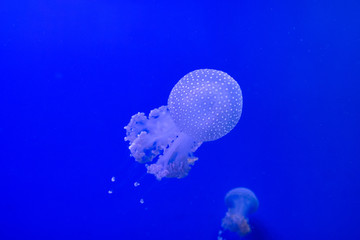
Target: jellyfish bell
(206,104)
(203,106)
(241,202)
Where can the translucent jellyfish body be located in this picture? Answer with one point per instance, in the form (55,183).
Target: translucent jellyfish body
(241,202)
(203,106)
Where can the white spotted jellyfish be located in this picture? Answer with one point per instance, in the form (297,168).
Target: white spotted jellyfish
(241,202)
(203,106)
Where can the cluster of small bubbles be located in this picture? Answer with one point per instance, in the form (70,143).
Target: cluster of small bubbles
(206,104)
(142,201)
(136,184)
(219,235)
(112,180)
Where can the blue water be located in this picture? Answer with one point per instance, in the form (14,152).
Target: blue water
(72,74)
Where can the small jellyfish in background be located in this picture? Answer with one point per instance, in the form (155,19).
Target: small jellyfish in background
(203,106)
(241,202)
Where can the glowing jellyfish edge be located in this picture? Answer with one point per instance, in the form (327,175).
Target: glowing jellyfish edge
(203,106)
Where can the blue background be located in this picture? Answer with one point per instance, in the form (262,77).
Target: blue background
(73,73)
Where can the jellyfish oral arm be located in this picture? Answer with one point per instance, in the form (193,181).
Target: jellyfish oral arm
(157,139)
(177,158)
(149,136)
(236,223)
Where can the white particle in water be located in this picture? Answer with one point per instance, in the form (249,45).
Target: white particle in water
(136,184)
(142,201)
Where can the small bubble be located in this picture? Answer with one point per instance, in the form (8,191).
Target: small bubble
(110,192)
(113,179)
(142,201)
(136,184)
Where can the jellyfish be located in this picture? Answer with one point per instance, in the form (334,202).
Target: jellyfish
(203,106)
(241,202)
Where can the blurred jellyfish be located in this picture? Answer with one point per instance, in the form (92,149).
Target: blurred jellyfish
(203,106)
(241,202)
